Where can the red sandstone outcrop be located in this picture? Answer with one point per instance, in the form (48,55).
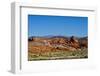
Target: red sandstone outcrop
(39,44)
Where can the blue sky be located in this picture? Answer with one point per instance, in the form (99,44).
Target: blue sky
(43,25)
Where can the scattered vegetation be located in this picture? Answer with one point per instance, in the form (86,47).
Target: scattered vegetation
(58,55)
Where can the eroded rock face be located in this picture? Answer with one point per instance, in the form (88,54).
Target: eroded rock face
(58,43)
(74,42)
(84,43)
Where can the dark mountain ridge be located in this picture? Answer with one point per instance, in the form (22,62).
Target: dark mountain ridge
(58,36)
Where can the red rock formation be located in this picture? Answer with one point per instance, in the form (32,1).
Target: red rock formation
(55,44)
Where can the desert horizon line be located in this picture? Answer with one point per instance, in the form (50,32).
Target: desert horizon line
(56,35)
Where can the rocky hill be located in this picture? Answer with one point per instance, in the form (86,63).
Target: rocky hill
(69,43)
(57,47)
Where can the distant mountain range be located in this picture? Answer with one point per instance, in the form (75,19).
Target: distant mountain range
(58,36)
